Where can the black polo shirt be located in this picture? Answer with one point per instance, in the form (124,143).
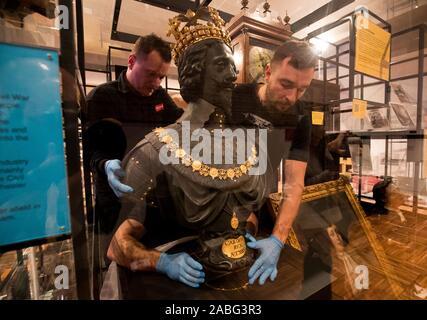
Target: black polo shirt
(289,132)
(132,115)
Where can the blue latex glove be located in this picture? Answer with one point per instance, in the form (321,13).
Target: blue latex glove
(266,264)
(114,172)
(181,267)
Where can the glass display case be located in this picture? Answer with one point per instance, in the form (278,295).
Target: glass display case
(43,248)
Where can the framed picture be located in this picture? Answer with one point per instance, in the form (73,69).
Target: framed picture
(258,59)
(377,119)
(402,94)
(402,114)
(331,226)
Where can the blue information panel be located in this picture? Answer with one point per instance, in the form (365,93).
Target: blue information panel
(33,185)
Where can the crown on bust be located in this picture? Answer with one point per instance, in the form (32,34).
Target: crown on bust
(193,31)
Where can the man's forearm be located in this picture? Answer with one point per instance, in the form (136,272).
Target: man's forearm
(97,162)
(287,213)
(293,189)
(130,253)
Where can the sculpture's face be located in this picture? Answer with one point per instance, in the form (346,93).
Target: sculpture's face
(220,75)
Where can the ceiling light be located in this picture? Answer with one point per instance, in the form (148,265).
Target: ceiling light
(320,45)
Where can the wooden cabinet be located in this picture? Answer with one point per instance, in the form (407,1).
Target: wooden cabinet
(254,39)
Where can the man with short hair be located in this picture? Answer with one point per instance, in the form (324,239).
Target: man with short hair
(275,104)
(119,114)
(287,77)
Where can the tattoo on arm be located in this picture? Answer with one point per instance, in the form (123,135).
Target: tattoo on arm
(126,250)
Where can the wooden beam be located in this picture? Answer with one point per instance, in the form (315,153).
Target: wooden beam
(320,13)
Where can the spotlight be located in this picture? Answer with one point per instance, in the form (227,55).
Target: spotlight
(320,45)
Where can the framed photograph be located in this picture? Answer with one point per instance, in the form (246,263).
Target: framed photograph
(402,114)
(331,226)
(377,119)
(402,94)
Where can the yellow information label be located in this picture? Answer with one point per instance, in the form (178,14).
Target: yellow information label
(359,108)
(317,118)
(372,49)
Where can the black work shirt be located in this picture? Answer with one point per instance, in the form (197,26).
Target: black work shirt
(135,114)
(115,119)
(289,131)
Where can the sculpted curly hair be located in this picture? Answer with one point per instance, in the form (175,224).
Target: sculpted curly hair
(191,69)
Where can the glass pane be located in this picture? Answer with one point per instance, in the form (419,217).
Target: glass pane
(403,102)
(344,83)
(344,59)
(404,69)
(44,272)
(331,72)
(368,80)
(344,94)
(173,83)
(95,78)
(404,46)
(397,161)
(344,47)
(22,25)
(374,93)
(343,71)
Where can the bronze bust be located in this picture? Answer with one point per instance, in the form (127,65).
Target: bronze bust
(215,199)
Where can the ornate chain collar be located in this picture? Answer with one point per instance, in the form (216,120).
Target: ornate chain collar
(200,167)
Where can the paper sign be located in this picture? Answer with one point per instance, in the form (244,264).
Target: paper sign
(317,118)
(372,49)
(359,108)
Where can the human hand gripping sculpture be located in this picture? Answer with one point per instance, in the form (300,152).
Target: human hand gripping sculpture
(114,173)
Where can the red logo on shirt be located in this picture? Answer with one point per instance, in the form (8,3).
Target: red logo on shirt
(159,107)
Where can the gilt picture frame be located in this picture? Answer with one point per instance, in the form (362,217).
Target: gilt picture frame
(332,223)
